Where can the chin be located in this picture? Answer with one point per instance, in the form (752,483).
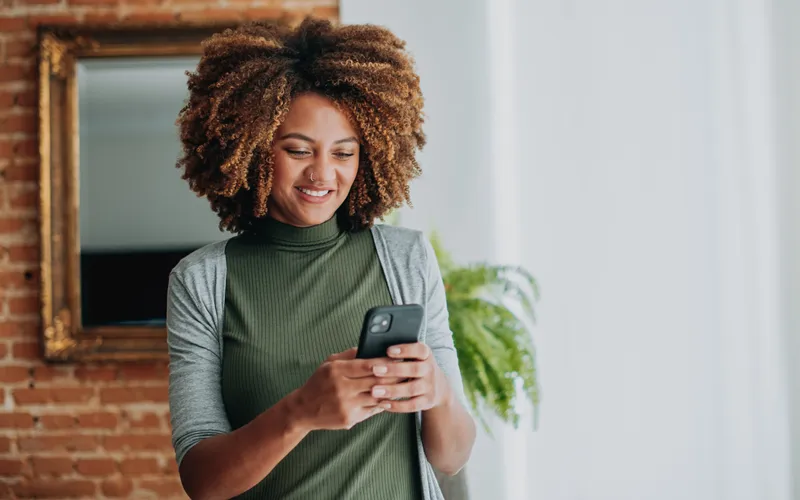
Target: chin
(316,219)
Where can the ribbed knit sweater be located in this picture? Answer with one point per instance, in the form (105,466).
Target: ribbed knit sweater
(294,296)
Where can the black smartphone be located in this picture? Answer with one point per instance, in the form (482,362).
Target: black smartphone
(385,326)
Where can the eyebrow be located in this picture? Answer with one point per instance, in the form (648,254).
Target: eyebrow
(295,135)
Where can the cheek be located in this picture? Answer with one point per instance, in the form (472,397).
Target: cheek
(281,175)
(349,175)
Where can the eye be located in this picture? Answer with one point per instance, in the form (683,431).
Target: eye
(342,155)
(298,153)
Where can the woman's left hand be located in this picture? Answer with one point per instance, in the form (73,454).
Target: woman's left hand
(424,384)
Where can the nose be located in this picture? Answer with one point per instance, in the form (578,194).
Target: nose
(321,171)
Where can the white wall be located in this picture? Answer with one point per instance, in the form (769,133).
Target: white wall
(787,64)
(621,191)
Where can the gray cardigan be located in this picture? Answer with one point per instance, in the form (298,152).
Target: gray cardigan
(195,310)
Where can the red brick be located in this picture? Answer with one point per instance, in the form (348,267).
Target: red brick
(16,280)
(138,442)
(121,395)
(23,253)
(41,2)
(20,171)
(3,351)
(158,371)
(117,487)
(163,487)
(24,305)
(11,466)
(20,48)
(24,199)
(329,12)
(52,395)
(26,350)
(11,374)
(26,98)
(150,3)
(101,18)
(46,373)
(10,225)
(99,420)
(26,147)
(145,420)
(17,71)
(151,17)
(95,374)
(216,14)
(72,394)
(52,20)
(139,466)
(9,24)
(55,488)
(21,122)
(16,420)
(96,466)
(94,2)
(57,421)
(19,329)
(31,396)
(51,465)
(263,13)
(171,467)
(57,443)
(5,444)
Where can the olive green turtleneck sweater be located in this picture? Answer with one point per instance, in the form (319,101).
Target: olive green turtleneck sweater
(294,297)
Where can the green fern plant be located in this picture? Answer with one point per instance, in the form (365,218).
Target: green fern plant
(491,316)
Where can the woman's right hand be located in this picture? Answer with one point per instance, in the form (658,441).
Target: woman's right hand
(338,394)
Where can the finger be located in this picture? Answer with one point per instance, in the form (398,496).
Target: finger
(359,368)
(365,400)
(417,350)
(410,389)
(348,354)
(403,369)
(419,403)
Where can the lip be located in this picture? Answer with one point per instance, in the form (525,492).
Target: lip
(314,199)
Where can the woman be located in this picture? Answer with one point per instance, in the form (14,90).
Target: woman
(301,138)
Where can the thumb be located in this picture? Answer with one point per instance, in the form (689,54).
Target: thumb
(348,354)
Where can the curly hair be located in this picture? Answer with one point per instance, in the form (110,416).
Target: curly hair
(242,90)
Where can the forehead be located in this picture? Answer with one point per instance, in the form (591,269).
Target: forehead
(318,117)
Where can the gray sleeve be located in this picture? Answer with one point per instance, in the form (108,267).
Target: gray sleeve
(195,364)
(439,337)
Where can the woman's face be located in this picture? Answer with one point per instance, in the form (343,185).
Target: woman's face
(315,155)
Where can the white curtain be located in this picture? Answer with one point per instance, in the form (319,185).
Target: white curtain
(646,136)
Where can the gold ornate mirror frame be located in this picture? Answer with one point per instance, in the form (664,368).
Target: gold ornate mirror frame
(60,48)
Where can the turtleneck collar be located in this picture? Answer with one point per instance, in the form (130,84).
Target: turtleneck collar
(278,233)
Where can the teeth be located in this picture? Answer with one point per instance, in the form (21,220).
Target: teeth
(314,193)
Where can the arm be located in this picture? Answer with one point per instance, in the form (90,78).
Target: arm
(213,461)
(448,430)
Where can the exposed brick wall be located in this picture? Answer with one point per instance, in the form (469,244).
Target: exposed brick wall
(97,430)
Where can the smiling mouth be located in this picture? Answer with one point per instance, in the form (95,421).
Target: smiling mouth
(314,193)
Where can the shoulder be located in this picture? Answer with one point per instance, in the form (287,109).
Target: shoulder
(402,241)
(202,263)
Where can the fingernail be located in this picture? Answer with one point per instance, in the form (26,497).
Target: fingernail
(379,370)
(377,391)
(386,406)
(394,350)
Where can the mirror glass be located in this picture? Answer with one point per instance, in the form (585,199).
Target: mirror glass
(138,218)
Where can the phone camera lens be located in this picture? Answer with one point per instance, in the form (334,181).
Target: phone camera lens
(380,323)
